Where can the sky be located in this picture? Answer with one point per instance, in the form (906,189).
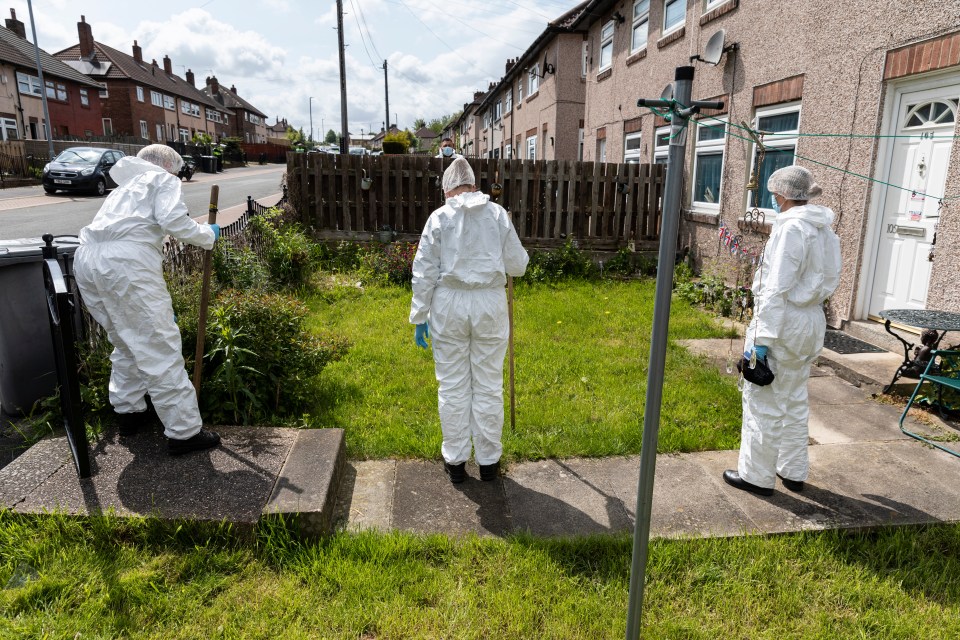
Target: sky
(281,53)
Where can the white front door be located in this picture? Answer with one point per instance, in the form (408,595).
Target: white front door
(919,154)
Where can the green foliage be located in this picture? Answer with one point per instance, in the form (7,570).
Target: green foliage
(331,137)
(202,139)
(389,264)
(239,267)
(566,262)
(296,136)
(290,256)
(398,141)
(261,360)
(341,257)
(712,292)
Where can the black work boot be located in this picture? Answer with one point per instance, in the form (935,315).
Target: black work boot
(489,472)
(129,423)
(457,472)
(204,439)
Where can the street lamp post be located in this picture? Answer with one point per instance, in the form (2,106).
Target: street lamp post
(311,118)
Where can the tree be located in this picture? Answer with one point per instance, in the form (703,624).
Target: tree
(295,137)
(331,137)
(419,123)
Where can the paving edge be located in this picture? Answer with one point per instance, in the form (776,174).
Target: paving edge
(305,493)
(859,380)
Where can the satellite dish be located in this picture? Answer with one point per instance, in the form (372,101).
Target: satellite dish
(714,48)
(667,93)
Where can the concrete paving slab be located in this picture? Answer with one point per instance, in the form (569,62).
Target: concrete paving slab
(42,460)
(308,482)
(562,498)
(863,421)
(425,501)
(135,476)
(366,495)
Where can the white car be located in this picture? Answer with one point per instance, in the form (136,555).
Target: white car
(358,151)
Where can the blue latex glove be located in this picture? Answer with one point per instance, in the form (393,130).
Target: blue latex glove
(759,350)
(420,335)
(216,231)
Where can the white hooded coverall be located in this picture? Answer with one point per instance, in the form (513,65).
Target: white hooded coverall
(467,247)
(800,269)
(119,272)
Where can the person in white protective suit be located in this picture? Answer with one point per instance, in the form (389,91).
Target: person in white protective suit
(799,270)
(467,249)
(119,272)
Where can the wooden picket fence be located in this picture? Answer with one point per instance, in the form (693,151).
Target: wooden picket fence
(601,206)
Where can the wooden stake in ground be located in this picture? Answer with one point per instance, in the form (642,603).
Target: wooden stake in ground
(513,414)
(205,294)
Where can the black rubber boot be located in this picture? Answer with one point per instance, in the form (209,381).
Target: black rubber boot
(457,472)
(128,424)
(203,440)
(489,472)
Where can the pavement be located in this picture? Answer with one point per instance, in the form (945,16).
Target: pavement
(864,473)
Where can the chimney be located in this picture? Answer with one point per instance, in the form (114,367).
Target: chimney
(16,25)
(137,53)
(510,63)
(233,89)
(167,66)
(190,78)
(153,67)
(213,84)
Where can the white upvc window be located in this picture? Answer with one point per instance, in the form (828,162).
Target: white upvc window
(674,15)
(140,94)
(159,133)
(169,103)
(661,145)
(712,4)
(606,46)
(520,91)
(783,124)
(584,58)
(641,25)
(144,132)
(632,142)
(104,93)
(107,127)
(84,98)
(8,127)
(156,99)
(601,150)
(532,148)
(184,135)
(508,152)
(28,84)
(509,100)
(708,164)
(534,80)
(497,111)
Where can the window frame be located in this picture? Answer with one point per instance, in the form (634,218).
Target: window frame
(779,142)
(169,103)
(107,124)
(160,133)
(144,130)
(140,94)
(606,44)
(520,90)
(29,85)
(601,150)
(709,5)
(533,80)
(632,156)
(680,23)
(84,97)
(508,100)
(704,148)
(531,148)
(642,20)
(661,152)
(156,99)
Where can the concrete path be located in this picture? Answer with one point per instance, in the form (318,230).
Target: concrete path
(864,472)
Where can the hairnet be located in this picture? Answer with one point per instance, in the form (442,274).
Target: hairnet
(793,183)
(163,156)
(458,174)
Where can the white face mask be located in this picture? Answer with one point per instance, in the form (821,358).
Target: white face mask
(448,151)
(776,205)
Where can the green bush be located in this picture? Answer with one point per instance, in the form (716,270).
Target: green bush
(261,361)
(289,255)
(239,268)
(389,264)
(568,261)
(342,257)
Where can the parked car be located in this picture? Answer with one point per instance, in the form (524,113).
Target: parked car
(81,169)
(357,151)
(188,168)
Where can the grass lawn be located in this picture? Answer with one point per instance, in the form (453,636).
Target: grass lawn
(582,350)
(106,578)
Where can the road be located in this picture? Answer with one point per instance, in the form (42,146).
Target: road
(27,212)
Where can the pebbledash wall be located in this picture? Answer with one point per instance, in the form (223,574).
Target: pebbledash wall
(841,65)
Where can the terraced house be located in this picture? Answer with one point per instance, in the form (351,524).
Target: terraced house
(73,99)
(249,123)
(144,100)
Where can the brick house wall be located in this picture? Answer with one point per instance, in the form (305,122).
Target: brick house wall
(837,61)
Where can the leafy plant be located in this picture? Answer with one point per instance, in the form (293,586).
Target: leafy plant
(565,262)
(289,254)
(389,264)
(233,378)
